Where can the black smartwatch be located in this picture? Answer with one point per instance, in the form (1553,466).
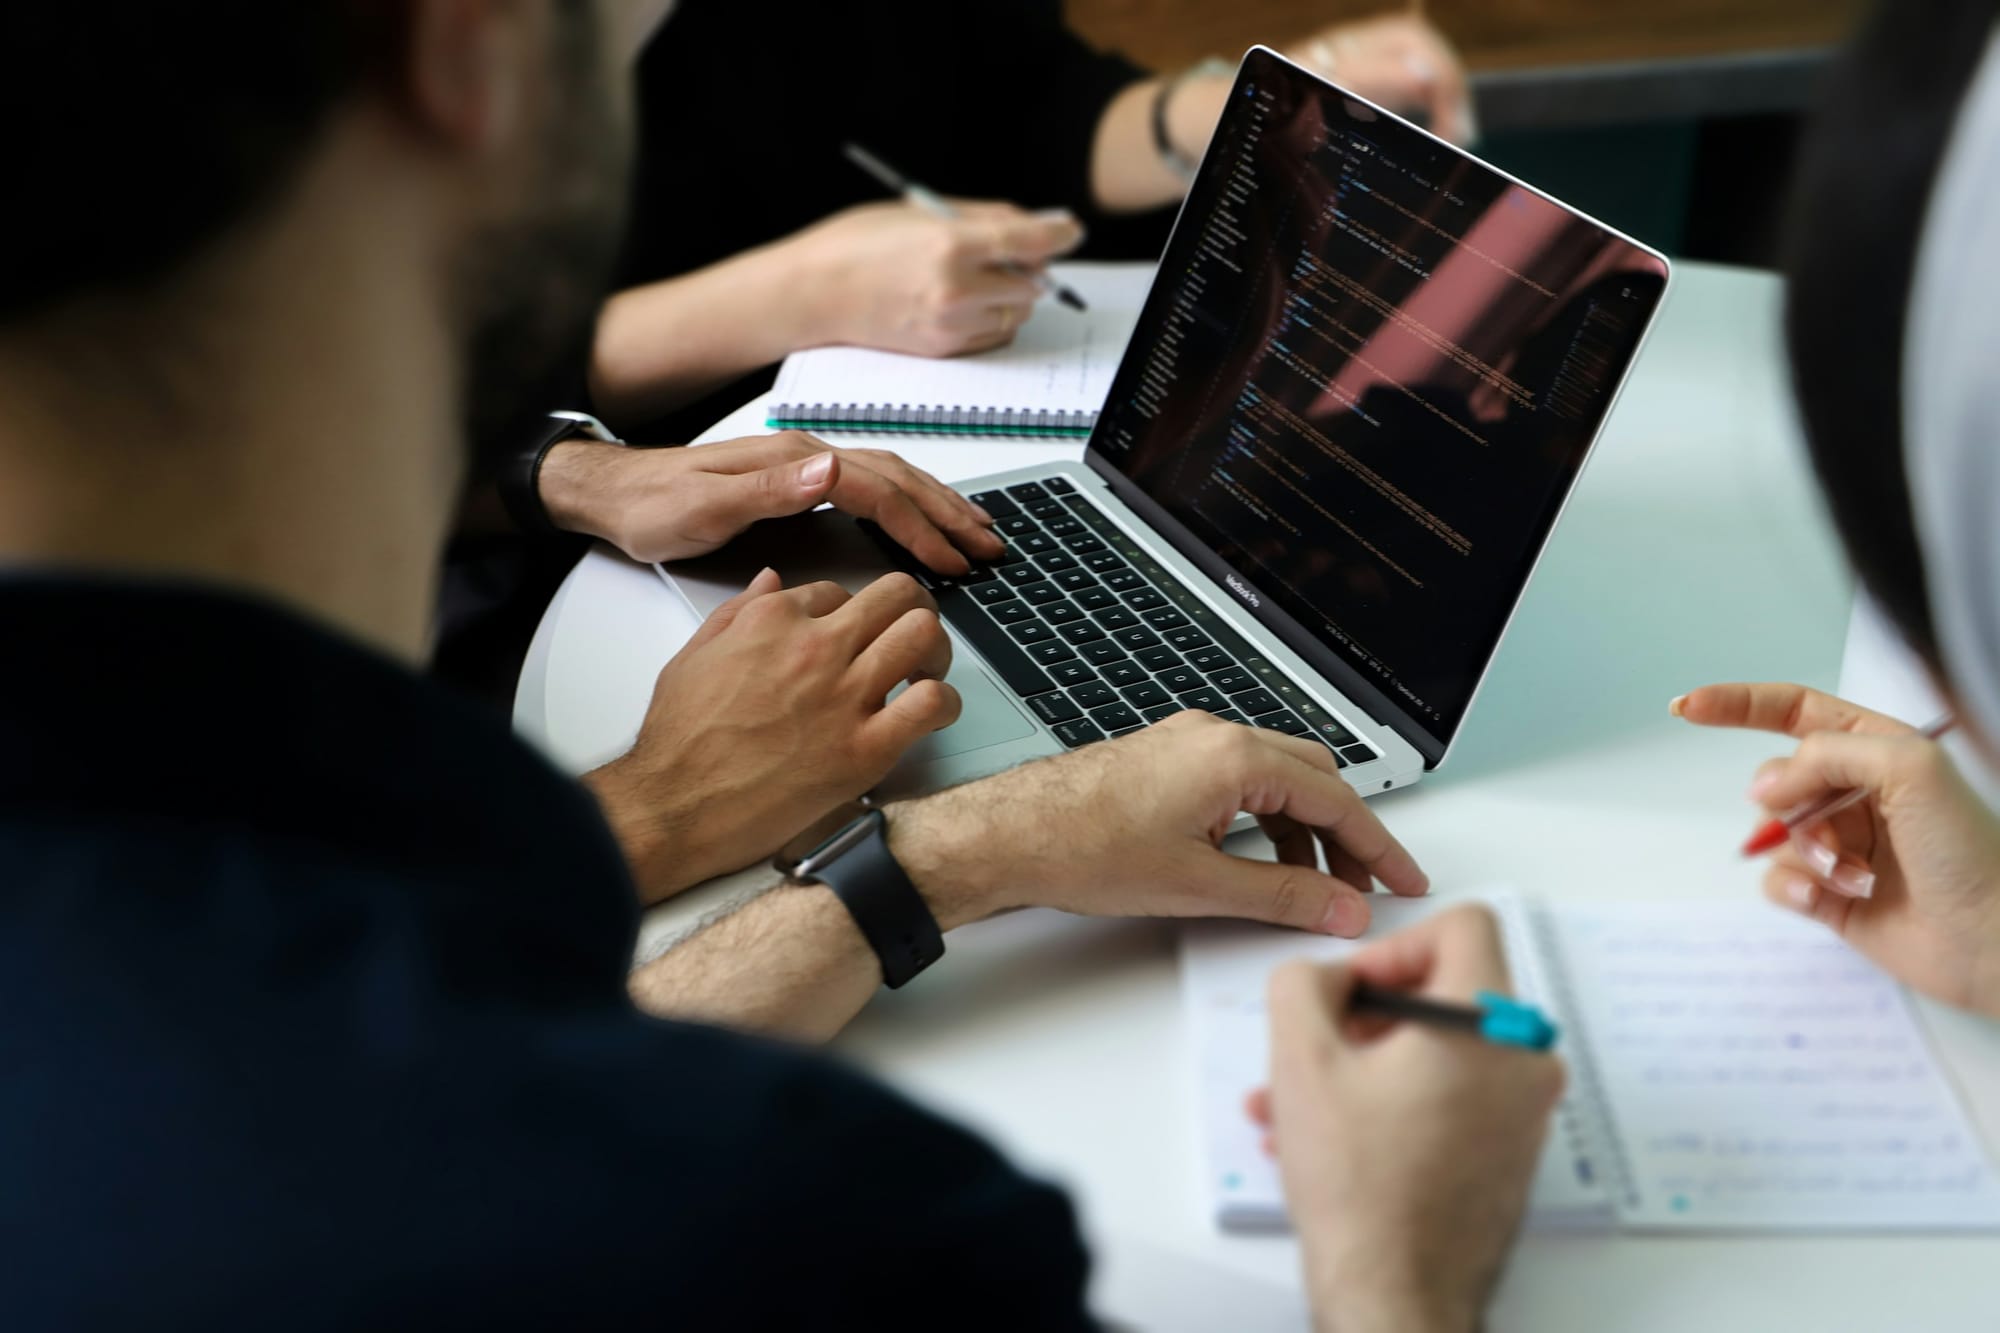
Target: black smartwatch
(521,477)
(856,864)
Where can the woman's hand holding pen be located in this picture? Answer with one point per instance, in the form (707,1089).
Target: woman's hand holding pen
(895,277)
(1910,876)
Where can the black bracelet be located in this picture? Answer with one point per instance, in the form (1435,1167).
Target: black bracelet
(520,480)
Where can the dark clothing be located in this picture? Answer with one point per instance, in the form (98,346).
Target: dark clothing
(314,1016)
(743,109)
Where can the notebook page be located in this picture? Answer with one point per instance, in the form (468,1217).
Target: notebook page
(1761,1075)
(1061,360)
(1224,968)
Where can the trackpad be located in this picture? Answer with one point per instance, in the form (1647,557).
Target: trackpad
(989,717)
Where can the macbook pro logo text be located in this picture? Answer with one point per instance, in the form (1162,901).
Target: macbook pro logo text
(1242,589)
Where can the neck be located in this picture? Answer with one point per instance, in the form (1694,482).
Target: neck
(280,419)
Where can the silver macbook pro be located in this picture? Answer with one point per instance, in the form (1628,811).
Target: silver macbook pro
(1357,399)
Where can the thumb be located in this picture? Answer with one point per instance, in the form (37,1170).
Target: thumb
(1829,761)
(1284,895)
(766,582)
(782,489)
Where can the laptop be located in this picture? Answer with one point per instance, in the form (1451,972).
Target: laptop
(1358,396)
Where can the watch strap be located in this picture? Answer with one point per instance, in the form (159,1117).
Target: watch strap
(892,916)
(520,481)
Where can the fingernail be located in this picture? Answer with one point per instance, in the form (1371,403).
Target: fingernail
(816,469)
(1852,881)
(1676,705)
(1761,785)
(1345,916)
(1798,890)
(1818,855)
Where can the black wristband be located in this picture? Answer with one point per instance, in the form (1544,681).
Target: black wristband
(892,916)
(520,480)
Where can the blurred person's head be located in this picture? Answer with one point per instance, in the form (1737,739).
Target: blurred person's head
(1888,142)
(165,159)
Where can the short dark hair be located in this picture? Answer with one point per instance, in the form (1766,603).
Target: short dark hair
(139,132)
(1862,192)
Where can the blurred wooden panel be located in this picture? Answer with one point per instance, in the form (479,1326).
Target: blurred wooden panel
(1494,34)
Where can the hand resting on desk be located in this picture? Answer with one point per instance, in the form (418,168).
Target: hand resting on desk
(1911,876)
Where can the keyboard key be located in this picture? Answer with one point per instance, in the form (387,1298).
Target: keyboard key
(1256,701)
(1018,525)
(1035,543)
(1034,631)
(1083,543)
(1059,486)
(1049,509)
(1186,639)
(1021,573)
(1095,599)
(1115,617)
(1232,681)
(1126,673)
(1127,732)
(978,629)
(1027,492)
(1164,618)
(1230,715)
(1077,732)
(1102,562)
(1281,721)
(1054,707)
(1118,580)
(1012,613)
(1182,679)
(1357,754)
(1082,632)
(1073,579)
(979,574)
(1144,599)
(1056,561)
(1094,695)
(1103,653)
(1205,699)
(1010,556)
(986,594)
(1113,717)
(1071,673)
(1050,653)
(1146,694)
(1059,527)
(1041,594)
(1061,613)
(996,504)
(1334,734)
(1209,658)
(1157,659)
(1159,711)
(1139,637)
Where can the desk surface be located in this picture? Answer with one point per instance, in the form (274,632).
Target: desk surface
(1693,551)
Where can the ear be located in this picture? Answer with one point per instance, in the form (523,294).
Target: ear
(466,67)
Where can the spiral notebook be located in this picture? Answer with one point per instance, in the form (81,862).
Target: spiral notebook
(1731,1068)
(1050,381)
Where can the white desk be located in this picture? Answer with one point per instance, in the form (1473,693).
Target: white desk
(1693,552)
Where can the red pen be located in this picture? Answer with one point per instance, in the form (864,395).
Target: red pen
(1778,832)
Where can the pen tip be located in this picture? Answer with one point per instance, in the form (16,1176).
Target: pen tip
(1071,299)
(1766,838)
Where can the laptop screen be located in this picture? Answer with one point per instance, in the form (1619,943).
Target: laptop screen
(1364,383)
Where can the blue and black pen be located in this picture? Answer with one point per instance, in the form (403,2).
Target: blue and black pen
(1494,1017)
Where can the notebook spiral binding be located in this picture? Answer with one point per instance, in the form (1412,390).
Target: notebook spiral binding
(1599,1142)
(924,419)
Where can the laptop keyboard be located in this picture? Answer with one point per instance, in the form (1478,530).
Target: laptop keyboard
(1099,640)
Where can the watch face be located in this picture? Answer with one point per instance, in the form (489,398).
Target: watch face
(817,835)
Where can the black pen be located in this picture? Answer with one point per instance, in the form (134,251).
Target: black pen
(934,204)
(1493,1016)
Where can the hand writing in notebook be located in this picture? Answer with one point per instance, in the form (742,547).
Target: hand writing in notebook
(1406,1152)
(672,504)
(1911,876)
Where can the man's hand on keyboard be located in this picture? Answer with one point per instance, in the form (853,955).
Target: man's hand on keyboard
(772,715)
(672,504)
(1134,827)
